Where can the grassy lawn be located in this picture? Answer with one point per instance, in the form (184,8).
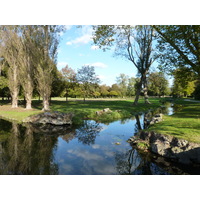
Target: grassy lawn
(17,114)
(185,123)
(84,110)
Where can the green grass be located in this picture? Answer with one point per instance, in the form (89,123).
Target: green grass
(17,116)
(185,123)
(87,109)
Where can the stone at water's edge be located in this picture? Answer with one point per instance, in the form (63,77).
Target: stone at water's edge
(179,150)
(55,118)
(105,110)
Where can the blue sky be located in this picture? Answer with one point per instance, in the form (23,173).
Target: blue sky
(77,49)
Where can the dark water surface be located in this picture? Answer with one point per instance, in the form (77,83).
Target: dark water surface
(93,148)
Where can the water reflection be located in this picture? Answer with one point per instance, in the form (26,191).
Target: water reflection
(87,133)
(87,149)
(31,149)
(24,152)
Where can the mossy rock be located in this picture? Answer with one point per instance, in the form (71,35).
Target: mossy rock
(142,146)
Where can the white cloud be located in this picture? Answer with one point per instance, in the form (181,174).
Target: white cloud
(69,43)
(94,47)
(84,38)
(60,65)
(99,65)
(86,155)
(101,77)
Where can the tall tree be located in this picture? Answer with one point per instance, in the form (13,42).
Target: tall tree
(9,52)
(179,46)
(69,78)
(46,44)
(157,84)
(87,77)
(133,43)
(25,44)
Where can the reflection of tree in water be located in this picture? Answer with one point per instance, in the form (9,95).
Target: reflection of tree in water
(132,162)
(142,121)
(27,153)
(143,163)
(88,132)
(126,161)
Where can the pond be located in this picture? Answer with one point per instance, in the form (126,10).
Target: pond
(90,149)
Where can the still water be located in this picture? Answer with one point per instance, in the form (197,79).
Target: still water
(92,148)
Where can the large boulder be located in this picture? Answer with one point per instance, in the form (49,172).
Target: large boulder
(168,146)
(55,118)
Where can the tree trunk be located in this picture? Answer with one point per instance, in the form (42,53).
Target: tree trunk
(28,97)
(14,85)
(138,92)
(45,104)
(14,99)
(146,98)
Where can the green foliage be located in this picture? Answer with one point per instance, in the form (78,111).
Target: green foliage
(134,43)
(96,94)
(58,84)
(88,80)
(113,93)
(179,46)
(122,82)
(104,90)
(131,87)
(183,86)
(158,84)
(3,82)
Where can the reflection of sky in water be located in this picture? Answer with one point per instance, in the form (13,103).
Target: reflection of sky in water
(75,157)
(88,149)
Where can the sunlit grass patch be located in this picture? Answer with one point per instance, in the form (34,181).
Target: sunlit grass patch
(185,123)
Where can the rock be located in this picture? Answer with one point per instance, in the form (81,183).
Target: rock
(160,148)
(99,112)
(49,129)
(55,118)
(105,110)
(157,118)
(179,150)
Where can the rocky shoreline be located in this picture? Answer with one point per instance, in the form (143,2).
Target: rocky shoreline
(179,150)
